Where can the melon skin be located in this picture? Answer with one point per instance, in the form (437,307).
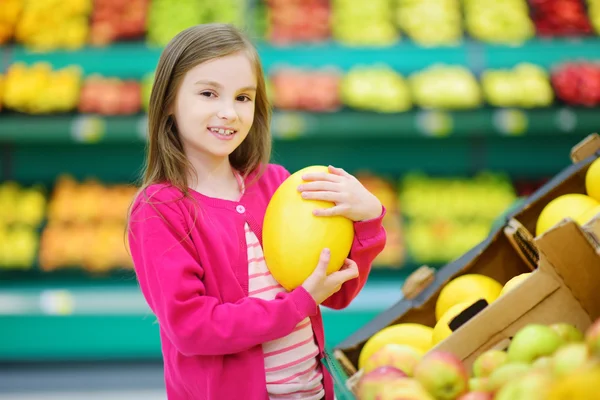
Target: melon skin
(293,237)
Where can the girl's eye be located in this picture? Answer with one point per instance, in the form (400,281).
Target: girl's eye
(244,98)
(207,94)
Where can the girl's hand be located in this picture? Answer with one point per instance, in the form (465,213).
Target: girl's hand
(320,285)
(352,200)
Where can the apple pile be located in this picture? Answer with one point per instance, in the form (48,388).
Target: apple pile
(375,88)
(38,89)
(115,20)
(560,17)
(445,217)
(577,83)
(54,24)
(315,90)
(22,210)
(449,87)
(298,21)
(393,254)
(9,16)
(364,23)
(525,86)
(86,222)
(110,96)
(431,22)
(542,362)
(502,22)
(166,18)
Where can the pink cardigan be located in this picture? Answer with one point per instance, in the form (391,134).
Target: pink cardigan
(197,285)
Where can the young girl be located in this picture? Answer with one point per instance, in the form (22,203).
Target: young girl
(228,330)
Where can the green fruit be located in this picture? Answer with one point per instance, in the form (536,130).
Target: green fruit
(533,341)
(506,373)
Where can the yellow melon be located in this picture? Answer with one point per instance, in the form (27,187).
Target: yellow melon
(293,237)
(572,205)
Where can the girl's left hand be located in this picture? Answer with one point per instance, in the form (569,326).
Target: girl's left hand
(352,200)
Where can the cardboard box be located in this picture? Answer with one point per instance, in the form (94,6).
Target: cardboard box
(565,284)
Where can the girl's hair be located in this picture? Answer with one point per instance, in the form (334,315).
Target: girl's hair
(165,159)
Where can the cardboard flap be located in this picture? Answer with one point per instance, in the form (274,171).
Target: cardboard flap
(569,250)
(533,290)
(587,147)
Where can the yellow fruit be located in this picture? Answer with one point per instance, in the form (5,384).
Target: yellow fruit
(415,335)
(572,205)
(588,215)
(466,288)
(581,385)
(513,282)
(592,180)
(293,237)
(441,330)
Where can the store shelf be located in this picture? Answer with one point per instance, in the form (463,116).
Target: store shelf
(345,125)
(135,59)
(108,322)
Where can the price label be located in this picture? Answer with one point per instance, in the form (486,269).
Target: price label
(142,128)
(511,122)
(57,302)
(288,125)
(435,123)
(566,120)
(88,129)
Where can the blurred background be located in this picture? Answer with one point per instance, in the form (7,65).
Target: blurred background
(451,111)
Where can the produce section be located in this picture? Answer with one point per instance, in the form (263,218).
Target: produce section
(450,111)
(554,361)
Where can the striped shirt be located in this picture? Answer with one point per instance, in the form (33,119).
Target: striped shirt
(291,364)
(292,368)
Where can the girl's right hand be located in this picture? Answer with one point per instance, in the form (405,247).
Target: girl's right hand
(321,286)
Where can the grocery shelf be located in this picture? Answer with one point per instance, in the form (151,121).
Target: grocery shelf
(345,124)
(135,59)
(114,322)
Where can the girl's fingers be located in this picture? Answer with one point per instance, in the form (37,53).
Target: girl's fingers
(330,211)
(318,185)
(325,196)
(320,176)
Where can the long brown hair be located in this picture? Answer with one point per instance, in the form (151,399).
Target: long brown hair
(165,159)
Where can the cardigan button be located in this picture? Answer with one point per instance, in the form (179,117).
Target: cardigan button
(240,208)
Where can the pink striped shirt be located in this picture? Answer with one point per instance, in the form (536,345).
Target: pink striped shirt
(291,365)
(292,368)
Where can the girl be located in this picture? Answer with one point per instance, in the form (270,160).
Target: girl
(228,330)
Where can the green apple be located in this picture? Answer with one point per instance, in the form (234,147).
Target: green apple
(506,373)
(533,386)
(533,341)
(569,358)
(569,333)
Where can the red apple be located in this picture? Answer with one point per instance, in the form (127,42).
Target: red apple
(592,338)
(487,362)
(443,375)
(372,384)
(399,356)
(477,396)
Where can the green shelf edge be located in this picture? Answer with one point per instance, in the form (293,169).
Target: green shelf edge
(105,322)
(289,126)
(135,59)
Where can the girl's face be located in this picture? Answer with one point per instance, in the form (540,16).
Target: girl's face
(214,107)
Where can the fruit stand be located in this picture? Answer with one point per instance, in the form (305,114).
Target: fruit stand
(449,111)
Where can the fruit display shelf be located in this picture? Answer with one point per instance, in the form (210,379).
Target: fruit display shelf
(135,59)
(57,321)
(345,124)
